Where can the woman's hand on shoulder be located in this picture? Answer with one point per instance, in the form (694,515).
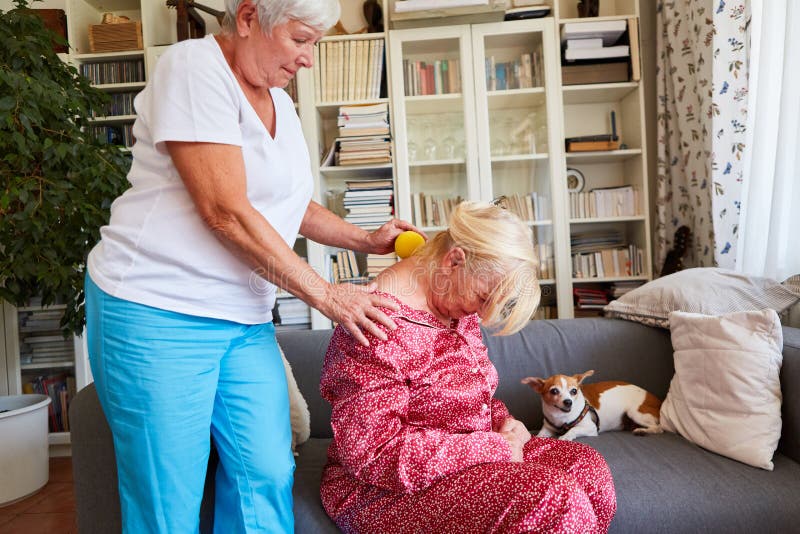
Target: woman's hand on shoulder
(381,241)
(516,435)
(357,309)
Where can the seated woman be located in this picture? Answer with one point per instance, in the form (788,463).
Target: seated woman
(419,443)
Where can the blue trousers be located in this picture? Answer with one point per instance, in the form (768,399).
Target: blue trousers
(166,382)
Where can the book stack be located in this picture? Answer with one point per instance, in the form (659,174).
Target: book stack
(548,306)
(377,263)
(349,70)
(604,254)
(368,203)
(523,72)
(61,389)
(605,202)
(590,143)
(547,264)
(593,53)
(109,72)
(431,211)
(619,289)
(41,339)
(442,76)
(344,267)
(590,299)
(530,207)
(290,313)
(364,137)
(363,120)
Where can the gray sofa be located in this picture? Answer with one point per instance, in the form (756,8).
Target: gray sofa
(663,482)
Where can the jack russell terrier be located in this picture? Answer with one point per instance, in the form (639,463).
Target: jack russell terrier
(572,410)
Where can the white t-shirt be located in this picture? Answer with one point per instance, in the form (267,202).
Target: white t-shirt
(156,250)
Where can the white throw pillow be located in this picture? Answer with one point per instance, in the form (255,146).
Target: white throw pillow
(298,408)
(726,393)
(706,290)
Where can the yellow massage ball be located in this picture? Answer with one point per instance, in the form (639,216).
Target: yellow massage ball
(406,243)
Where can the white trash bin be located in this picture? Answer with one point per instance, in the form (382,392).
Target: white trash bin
(24,449)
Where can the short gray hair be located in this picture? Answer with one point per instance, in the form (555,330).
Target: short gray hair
(319,14)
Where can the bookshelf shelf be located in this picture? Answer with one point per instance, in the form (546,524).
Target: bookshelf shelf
(519,157)
(108,56)
(38,308)
(58,438)
(603,157)
(589,280)
(432,229)
(51,365)
(596,19)
(434,104)
(516,98)
(113,119)
(116,87)
(356,170)
(598,92)
(333,107)
(544,222)
(436,162)
(596,220)
(353,37)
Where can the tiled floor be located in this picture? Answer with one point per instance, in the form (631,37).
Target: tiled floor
(51,509)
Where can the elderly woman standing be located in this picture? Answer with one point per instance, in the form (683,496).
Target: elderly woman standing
(420,444)
(179,290)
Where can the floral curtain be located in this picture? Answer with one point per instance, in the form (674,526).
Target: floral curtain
(701,89)
(729,117)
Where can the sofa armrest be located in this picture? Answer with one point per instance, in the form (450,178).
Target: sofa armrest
(790,388)
(94,465)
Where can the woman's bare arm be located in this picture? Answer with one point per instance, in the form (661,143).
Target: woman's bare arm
(214,176)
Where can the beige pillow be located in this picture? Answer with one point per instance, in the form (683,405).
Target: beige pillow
(706,290)
(726,393)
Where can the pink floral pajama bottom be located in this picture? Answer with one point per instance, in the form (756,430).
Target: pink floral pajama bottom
(561,486)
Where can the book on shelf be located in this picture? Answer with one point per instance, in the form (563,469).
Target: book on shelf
(349,70)
(360,132)
(592,146)
(609,31)
(580,74)
(574,54)
(431,211)
(369,183)
(605,202)
(442,76)
(572,44)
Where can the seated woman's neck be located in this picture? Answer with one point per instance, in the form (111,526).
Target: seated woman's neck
(408,281)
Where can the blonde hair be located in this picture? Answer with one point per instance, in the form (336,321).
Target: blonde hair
(319,14)
(494,240)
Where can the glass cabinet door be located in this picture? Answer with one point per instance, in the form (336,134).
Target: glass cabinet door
(437,164)
(519,125)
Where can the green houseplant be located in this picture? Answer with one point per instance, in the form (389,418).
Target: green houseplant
(56,180)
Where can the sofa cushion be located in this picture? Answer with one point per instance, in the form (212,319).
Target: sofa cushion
(726,392)
(663,482)
(666,484)
(710,291)
(309,515)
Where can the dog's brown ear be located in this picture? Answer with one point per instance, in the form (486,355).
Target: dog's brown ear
(535,383)
(583,376)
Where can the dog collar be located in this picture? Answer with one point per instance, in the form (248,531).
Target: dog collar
(566,427)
